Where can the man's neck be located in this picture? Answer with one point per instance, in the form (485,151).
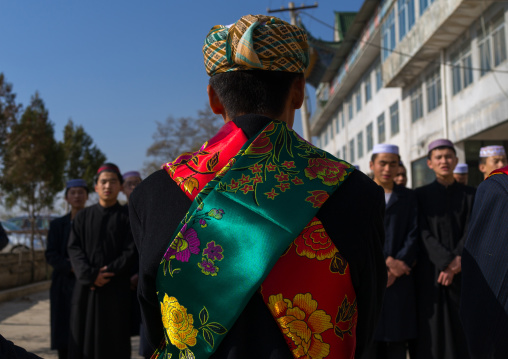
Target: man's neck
(107,204)
(445,180)
(388,187)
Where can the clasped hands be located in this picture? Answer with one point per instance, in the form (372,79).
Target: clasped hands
(396,268)
(446,277)
(103,278)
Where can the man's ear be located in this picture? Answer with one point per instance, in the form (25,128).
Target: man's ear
(215,103)
(298,92)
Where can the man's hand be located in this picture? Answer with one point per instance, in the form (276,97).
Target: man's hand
(455,266)
(134,281)
(391,279)
(397,267)
(103,277)
(445,277)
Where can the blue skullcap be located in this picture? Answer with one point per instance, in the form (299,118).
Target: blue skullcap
(385,148)
(76,183)
(492,151)
(461,168)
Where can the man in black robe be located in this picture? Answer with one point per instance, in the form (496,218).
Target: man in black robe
(63,279)
(397,324)
(251,99)
(484,299)
(101,250)
(444,209)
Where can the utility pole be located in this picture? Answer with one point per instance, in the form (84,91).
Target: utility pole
(304,114)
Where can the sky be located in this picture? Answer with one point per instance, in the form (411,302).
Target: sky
(118,66)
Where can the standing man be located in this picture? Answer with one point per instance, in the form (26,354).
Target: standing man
(461,173)
(491,158)
(397,324)
(444,209)
(101,251)
(401,176)
(260,245)
(485,271)
(130,180)
(63,279)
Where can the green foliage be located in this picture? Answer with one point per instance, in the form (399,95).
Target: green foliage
(178,135)
(81,156)
(8,110)
(33,161)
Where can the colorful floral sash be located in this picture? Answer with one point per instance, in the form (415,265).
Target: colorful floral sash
(503,170)
(251,199)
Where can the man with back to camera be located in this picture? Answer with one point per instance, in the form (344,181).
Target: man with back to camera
(444,209)
(484,303)
(102,254)
(262,245)
(397,324)
(491,158)
(63,278)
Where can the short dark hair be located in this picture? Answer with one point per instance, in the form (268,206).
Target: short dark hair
(113,169)
(253,92)
(441,148)
(482,160)
(374,156)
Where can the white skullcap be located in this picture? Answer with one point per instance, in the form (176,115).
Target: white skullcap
(385,148)
(461,168)
(492,151)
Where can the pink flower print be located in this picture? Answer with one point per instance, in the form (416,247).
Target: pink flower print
(185,243)
(213,251)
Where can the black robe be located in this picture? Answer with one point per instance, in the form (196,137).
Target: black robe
(444,217)
(100,318)
(398,316)
(62,281)
(352,217)
(484,298)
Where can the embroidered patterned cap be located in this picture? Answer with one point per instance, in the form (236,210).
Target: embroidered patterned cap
(492,151)
(385,148)
(76,183)
(440,143)
(256,42)
(461,168)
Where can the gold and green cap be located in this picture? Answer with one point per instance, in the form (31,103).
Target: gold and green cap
(256,42)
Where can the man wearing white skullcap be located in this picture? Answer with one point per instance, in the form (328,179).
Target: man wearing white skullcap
(398,316)
(461,173)
(491,158)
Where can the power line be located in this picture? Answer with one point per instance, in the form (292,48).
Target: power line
(437,62)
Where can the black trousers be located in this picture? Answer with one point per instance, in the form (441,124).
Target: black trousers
(387,350)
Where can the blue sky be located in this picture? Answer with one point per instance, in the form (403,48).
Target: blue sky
(117,66)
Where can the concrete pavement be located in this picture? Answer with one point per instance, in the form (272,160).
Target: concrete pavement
(24,320)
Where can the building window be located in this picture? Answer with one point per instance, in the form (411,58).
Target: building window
(358,99)
(350,108)
(424,4)
(368,89)
(462,70)
(344,152)
(406,17)
(496,53)
(433,90)
(379,78)
(352,150)
(342,117)
(337,122)
(324,138)
(370,137)
(330,131)
(318,142)
(394,118)
(381,132)
(359,142)
(388,33)
(416,103)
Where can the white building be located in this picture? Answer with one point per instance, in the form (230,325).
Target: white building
(408,72)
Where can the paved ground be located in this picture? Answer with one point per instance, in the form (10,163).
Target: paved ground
(25,321)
